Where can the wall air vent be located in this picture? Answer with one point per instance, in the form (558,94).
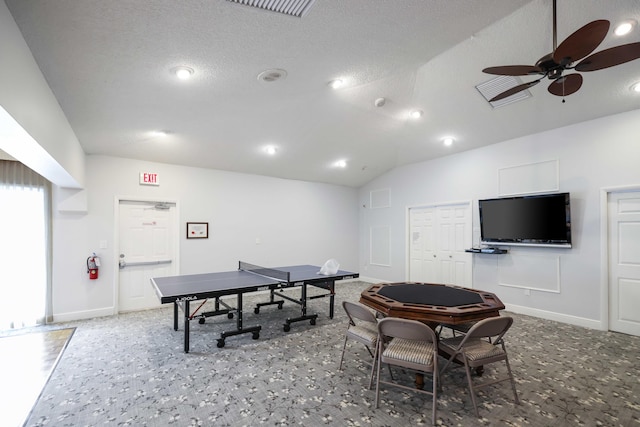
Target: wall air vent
(298,8)
(497,85)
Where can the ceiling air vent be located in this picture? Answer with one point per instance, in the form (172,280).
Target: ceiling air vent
(497,85)
(298,8)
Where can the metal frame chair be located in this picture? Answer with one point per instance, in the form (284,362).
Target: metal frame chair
(411,345)
(473,350)
(362,327)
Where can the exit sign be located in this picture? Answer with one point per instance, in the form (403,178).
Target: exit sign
(149,178)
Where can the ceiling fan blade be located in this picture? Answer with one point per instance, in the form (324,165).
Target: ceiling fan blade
(610,57)
(514,90)
(514,70)
(581,43)
(566,85)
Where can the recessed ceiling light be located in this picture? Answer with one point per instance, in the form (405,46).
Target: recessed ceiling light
(270,150)
(183,73)
(447,141)
(340,164)
(416,114)
(336,83)
(636,87)
(159,133)
(625,27)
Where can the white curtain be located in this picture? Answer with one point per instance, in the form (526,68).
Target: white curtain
(24,246)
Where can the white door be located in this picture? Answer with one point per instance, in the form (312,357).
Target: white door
(148,237)
(438,238)
(624,262)
(422,251)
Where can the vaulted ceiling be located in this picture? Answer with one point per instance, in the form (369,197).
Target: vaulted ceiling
(111,66)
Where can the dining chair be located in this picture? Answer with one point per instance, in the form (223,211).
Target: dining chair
(362,327)
(413,346)
(483,344)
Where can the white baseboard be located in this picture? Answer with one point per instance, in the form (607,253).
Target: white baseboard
(370,280)
(557,317)
(110,311)
(81,315)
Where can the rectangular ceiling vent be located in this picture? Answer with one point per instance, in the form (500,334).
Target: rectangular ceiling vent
(298,8)
(497,85)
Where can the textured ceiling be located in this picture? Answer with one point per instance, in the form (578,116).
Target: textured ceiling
(108,63)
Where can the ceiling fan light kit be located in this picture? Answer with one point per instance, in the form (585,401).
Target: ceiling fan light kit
(577,47)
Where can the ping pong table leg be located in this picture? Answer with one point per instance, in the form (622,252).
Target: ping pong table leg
(303,303)
(175,315)
(329,285)
(186,326)
(332,290)
(240,329)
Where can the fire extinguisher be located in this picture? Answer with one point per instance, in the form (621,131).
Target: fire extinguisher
(93,264)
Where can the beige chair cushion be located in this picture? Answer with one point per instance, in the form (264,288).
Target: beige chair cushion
(366,331)
(409,351)
(475,349)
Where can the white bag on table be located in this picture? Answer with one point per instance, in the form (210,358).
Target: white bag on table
(329,267)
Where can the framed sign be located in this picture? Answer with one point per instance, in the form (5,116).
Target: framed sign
(197,230)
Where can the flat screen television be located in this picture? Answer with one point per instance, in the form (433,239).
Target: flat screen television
(535,220)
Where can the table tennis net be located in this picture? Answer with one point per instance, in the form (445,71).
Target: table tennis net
(273,273)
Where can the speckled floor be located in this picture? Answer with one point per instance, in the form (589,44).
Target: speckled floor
(130,370)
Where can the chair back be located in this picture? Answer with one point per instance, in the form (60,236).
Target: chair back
(475,351)
(359,312)
(492,327)
(395,327)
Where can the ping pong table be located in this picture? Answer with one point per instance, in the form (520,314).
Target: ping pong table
(182,290)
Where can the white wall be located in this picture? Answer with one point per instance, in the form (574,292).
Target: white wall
(599,154)
(297,223)
(33,127)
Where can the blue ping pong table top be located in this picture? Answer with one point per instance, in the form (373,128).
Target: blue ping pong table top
(207,285)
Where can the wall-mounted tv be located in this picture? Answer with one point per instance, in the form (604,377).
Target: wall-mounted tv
(535,220)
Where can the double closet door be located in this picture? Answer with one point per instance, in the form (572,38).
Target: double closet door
(438,237)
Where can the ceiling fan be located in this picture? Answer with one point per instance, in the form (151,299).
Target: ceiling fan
(574,48)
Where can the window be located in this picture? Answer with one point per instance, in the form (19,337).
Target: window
(24,242)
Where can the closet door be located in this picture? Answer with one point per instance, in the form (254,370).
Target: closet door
(438,237)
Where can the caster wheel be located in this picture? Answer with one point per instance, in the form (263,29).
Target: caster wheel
(280,306)
(256,310)
(220,343)
(312,321)
(287,328)
(255,335)
(229,315)
(201,320)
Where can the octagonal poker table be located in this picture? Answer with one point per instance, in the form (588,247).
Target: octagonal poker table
(431,303)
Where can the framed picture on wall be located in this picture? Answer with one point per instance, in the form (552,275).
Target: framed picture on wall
(197,230)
